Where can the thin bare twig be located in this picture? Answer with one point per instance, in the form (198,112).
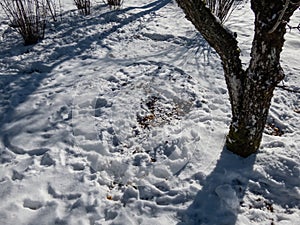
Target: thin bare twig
(288,89)
(294,27)
(279,20)
(222,8)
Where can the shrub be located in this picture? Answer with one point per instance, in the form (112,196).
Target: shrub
(223,9)
(28,17)
(54,7)
(84,6)
(114,3)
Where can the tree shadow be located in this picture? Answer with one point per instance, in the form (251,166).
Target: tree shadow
(24,80)
(221,196)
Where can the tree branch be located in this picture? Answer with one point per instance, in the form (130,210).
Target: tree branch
(225,44)
(220,38)
(293,6)
(294,27)
(288,9)
(288,89)
(279,20)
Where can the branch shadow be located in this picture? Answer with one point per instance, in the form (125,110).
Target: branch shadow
(219,200)
(19,82)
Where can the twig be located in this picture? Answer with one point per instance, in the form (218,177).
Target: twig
(279,20)
(288,89)
(291,27)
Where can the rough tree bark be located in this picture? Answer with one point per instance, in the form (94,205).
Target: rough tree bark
(250,90)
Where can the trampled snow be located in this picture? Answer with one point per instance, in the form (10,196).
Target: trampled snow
(120,117)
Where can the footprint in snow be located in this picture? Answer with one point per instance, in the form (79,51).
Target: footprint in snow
(32,204)
(144,124)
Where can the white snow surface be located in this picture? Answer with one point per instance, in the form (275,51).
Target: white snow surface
(120,117)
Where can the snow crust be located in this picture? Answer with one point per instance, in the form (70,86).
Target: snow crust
(120,117)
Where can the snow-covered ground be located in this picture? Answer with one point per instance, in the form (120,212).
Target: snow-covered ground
(120,117)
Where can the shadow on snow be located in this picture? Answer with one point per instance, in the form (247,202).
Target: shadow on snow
(16,88)
(222,192)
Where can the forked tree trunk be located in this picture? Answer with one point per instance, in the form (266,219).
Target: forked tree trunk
(250,90)
(262,76)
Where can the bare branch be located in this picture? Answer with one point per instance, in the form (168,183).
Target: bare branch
(279,20)
(222,8)
(216,34)
(294,27)
(288,89)
(223,41)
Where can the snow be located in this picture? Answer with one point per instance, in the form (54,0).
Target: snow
(120,117)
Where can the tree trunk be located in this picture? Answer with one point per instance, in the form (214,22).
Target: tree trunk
(247,127)
(262,76)
(250,91)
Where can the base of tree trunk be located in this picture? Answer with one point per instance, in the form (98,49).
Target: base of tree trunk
(241,143)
